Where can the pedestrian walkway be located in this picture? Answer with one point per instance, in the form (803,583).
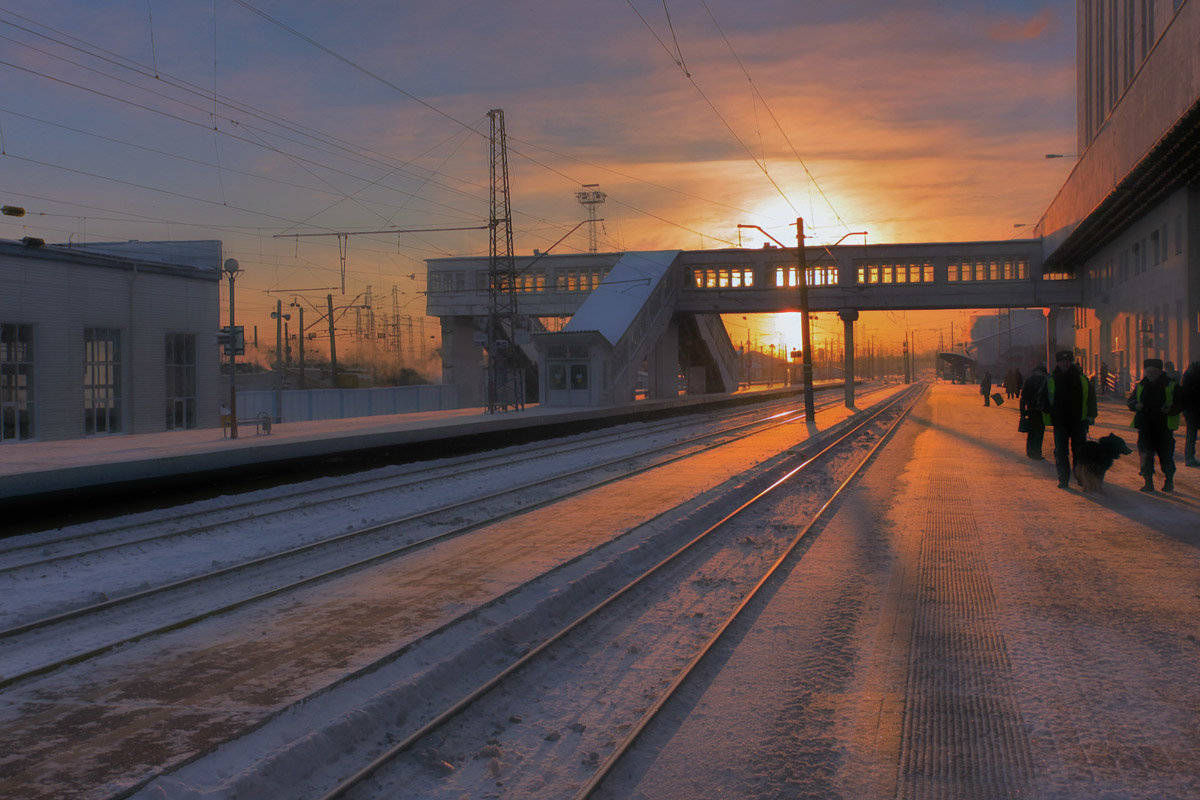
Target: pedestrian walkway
(1031,641)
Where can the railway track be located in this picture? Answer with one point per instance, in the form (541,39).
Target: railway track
(658,627)
(476,689)
(174,604)
(261,649)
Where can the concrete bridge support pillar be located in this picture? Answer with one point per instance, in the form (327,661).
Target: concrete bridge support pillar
(462,360)
(664,366)
(849,316)
(1052,336)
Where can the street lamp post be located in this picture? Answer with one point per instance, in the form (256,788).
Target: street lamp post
(805,331)
(231,269)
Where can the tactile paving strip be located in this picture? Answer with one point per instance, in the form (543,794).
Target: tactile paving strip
(962,734)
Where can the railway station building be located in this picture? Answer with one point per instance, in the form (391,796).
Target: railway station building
(107,338)
(1127,221)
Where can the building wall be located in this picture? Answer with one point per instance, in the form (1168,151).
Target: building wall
(1138,78)
(1115,38)
(60,298)
(1140,292)
(1114,141)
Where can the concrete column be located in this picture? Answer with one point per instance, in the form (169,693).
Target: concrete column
(1051,336)
(849,316)
(462,360)
(664,366)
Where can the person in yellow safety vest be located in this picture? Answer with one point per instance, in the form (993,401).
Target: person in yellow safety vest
(1068,403)
(1156,416)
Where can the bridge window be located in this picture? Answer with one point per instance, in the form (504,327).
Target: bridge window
(1002,268)
(574,280)
(892,272)
(723,278)
(534,281)
(823,276)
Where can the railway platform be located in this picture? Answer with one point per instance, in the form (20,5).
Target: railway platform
(119,468)
(962,627)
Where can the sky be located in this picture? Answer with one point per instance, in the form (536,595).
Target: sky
(261,123)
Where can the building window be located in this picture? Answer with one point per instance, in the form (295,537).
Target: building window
(101,380)
(181,381)
(16,382)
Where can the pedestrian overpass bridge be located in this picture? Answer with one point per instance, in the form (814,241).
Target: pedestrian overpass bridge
(637,318)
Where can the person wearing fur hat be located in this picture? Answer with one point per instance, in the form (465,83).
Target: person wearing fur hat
(1156,416)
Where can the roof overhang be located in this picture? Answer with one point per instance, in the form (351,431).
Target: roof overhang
(1173,163)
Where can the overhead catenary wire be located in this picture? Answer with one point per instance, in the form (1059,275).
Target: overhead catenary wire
(124,63)
(717,112)
(767,106)
(255,135)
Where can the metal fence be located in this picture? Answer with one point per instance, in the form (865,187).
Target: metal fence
(302,405)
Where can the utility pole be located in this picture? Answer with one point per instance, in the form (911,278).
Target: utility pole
(279,318)
(300,342)
(396,340)
(810,413)
(332,343)
(231,269)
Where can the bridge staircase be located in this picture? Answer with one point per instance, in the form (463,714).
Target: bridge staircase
(635,341)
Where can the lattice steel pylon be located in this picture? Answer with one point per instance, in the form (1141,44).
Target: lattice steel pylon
(589,198)
(505,373)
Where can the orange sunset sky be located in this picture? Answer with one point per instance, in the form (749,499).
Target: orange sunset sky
(250,122)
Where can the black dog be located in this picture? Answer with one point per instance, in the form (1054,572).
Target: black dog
(1095,459)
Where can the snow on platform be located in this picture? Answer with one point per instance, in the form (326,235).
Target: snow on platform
(961,627)
(43,471)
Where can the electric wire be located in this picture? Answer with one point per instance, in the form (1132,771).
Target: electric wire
(717,113)
(219,101)
(117,60)
(767,106)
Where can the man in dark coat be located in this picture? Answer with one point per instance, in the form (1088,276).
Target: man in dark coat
(1031,413)
(1156,417)
(1189,390)
(985,388)
(1069,404)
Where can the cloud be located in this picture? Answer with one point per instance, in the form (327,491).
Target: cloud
(1017,30)
(921,120)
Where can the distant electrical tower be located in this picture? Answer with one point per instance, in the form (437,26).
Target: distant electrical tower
(589,199)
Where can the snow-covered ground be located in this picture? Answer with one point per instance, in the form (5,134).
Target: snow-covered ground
(959,623)
(212,653)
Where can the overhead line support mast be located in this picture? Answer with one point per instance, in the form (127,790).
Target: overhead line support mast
(505,373)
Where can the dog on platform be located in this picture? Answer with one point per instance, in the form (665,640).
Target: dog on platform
(1096,458)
